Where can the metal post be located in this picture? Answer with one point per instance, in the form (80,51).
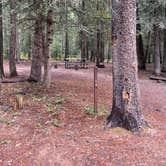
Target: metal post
(95,89)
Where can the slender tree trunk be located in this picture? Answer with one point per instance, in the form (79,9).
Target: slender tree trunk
(17,46)
(92,56)
(140,46)
(140,53)
(1,42)
(126,109)
(102,46)
(48,50)
(157,65)
(66,45)
(29,45)
(66,33)
(83,37)
(37,51)
(84,50)
(87,50)
(98,48)
(12,49)
(147,54)
(109,48)
(164,53)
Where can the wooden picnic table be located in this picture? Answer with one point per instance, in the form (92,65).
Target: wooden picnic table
(79,64)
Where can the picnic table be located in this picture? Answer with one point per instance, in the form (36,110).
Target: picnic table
(79,64)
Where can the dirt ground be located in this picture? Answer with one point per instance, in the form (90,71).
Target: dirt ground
(56,126)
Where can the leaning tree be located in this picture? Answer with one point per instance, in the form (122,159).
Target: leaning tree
(126,109)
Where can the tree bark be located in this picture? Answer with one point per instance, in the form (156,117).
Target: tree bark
(140,53)
(126,109)
(140,46)
(164,53)
(92,56)
(157,65)
(109,48)
(147,54)
(83,37)
(17,45)
(1,42)
(66,45)
(48,50)
(98,49)
(84,50)
(12,47)
(102,57)
(29,45)
(37,51)
(66,34)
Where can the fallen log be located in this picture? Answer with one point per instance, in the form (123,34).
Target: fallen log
(158,78)
(13,81)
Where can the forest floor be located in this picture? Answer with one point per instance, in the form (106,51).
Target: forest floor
(56,126)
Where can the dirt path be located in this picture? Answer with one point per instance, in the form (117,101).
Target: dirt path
(54,128)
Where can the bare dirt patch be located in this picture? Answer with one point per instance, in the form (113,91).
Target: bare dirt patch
(55,129)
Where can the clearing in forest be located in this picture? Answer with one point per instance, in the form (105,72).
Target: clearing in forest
(57,126)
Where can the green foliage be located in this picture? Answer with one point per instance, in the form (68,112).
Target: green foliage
(90,111)
(2,120)
(59,101)
(70,16)
(17,114)
(152,12)
(49,108)
(101,111)
(39,126)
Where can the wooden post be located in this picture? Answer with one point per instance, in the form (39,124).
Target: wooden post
(95,89)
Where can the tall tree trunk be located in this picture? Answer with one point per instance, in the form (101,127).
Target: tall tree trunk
(140,53)
(98,49)
(157,65)
(37,51)
(66,33)
(147,54)
(66,45)
(92,56)
(126,109)
(84,51)
(17,46)
(140,47)
(102,51)
(29,45)
(83,38)
(109,48)
(12,47)
(1,42)
(100,37)
(164,53)
(87,50)
(48,48)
